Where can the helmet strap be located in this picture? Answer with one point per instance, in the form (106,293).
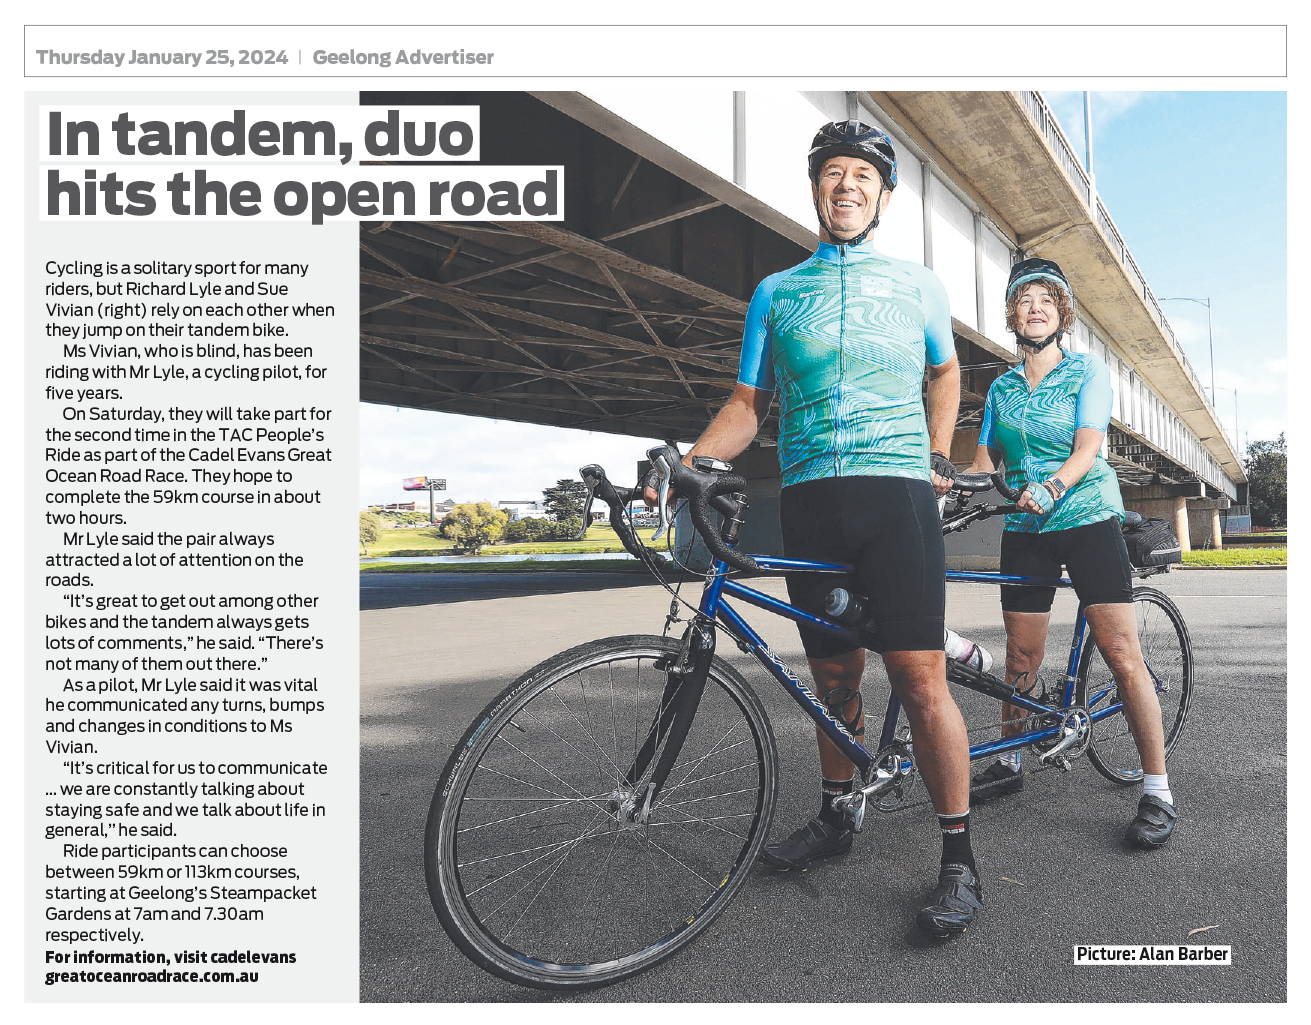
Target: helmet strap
(1039,346)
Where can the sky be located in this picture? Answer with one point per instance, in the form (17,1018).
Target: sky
(1196,182)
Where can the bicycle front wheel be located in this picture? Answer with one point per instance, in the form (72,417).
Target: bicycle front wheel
(1168,653)
(549,860)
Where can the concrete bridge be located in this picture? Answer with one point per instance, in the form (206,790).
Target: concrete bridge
(627,316)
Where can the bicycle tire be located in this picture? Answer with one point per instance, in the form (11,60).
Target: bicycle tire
(1168,652)
(558,892)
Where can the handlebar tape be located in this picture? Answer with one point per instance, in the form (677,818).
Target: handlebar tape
(700,497)
(702,490)
(972,482)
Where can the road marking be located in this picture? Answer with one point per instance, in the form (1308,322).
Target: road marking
(1176,597)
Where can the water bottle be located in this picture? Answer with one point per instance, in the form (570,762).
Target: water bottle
(962,649)
(845,607)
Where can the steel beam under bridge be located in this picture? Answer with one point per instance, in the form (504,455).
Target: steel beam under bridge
(625,317)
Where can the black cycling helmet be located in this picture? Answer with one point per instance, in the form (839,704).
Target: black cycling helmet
(853,139)
(1028,271)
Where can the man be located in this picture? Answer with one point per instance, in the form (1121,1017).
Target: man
(845,338)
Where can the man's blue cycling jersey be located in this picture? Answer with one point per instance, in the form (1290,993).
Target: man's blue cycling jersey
(1033,430)
(844,338)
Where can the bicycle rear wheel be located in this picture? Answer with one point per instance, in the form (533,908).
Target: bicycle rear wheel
(547,867)
(1168,652)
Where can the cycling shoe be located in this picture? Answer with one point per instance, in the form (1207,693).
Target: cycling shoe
(816,839)
(956,899)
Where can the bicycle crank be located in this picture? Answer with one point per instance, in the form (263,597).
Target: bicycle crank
(1072,741)
(894,774)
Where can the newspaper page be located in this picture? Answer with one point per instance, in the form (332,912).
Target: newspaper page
(281,282)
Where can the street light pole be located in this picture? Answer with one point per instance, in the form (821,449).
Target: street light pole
(1236,435)
(1210,342)
(1210,336)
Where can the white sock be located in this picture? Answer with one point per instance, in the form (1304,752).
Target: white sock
(1158,786)
(1011,759)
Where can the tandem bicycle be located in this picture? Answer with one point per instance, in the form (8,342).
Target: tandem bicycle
(604,809)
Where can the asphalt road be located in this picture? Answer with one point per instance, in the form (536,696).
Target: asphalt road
(436,648)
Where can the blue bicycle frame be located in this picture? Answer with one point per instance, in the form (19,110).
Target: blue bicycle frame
(714,607)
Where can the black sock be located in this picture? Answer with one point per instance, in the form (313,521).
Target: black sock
(829,789)
(956,840)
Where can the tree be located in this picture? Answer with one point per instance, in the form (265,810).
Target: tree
(370,529)
(473,525)
(1267,482)
(565,500)
(534,529)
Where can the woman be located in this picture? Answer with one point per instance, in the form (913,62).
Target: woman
(1046,419)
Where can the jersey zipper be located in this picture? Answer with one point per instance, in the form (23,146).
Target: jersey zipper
(842,350)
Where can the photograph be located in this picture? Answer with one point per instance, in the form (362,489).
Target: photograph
(721,390)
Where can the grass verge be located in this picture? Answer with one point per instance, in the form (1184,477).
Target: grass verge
(624,565)
(417,543)
(1244,556)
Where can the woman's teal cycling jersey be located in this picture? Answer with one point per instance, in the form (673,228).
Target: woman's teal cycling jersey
(1033,430)
(844,338)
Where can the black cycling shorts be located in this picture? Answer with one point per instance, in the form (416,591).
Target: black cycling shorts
(1094,555)
(890,530)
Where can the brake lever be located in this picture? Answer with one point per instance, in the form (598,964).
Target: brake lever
(660,461)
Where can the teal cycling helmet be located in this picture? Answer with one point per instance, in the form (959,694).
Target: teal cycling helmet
(1026,272)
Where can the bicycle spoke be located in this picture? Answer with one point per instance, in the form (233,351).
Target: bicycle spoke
(549,772)
(555,848)
(705,779)
(588,735)
(553,806)
(573,747)
(711,821)
(691,871)
(597,904)
(548,848)
(527,907)
(701,761)
(535,786)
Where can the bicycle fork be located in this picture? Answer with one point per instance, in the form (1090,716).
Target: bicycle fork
(685,682)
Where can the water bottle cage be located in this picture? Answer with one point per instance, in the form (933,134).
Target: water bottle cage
(837,700)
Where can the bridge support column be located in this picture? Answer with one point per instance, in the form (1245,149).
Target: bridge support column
(1196,518)
(1166,501)
(1174,510)
(1204,521)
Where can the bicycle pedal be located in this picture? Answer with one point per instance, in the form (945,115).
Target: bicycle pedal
(853,807)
